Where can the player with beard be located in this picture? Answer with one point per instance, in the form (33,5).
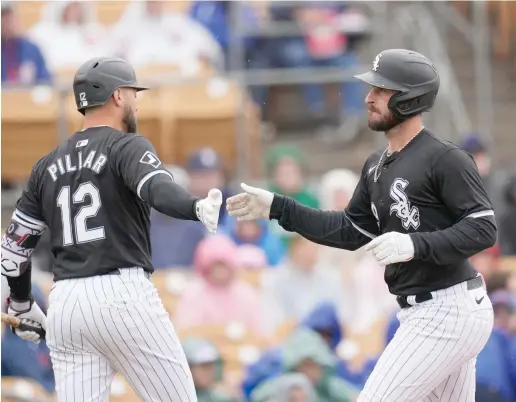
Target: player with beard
(95,192)
(421,209)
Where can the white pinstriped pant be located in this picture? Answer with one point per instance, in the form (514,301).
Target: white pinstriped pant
(433,353)
(114,323)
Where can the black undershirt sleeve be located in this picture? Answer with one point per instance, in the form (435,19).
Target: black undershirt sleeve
(349,229)
(21,285)
(169,198)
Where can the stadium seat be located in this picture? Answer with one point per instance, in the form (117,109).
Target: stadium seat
(24,389)
(502,17)
(370,343)
(28,13)
(215,113)
(180,6)
(508,264)
(283,330)
(170,283)
(253,277)
(121,391)
(505,31)
(237,345)
(157,125)
(177,120)
(108,12)
(30,127)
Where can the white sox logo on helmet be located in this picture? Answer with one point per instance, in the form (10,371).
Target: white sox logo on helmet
(376,62)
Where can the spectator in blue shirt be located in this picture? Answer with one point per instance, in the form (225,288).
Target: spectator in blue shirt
(22,61)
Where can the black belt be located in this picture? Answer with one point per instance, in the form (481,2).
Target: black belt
(474,283)
(117,272)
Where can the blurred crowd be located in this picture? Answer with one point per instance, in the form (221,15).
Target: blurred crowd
(324,34)
(327,292)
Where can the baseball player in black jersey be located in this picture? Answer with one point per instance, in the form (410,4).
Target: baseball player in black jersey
(421,209)
(94,192)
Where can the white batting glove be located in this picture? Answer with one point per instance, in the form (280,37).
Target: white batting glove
(255,203)
(208,210)
(391,248)
(28,310)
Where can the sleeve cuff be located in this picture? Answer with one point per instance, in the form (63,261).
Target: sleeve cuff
(417,244)
(277,207)
(197,209)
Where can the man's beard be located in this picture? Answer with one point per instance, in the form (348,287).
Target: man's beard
(387,123)
(129,120)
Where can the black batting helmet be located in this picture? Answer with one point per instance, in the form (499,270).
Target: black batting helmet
(98,78)
(411,74)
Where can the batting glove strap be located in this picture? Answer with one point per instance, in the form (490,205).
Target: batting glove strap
(20,306)
(34,318)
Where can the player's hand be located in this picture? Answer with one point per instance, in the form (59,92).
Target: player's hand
(255,203)
(208,210)
(28,310)
(391,248)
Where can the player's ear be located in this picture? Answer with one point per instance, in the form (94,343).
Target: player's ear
(118,98)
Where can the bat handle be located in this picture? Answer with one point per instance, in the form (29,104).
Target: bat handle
(11,320)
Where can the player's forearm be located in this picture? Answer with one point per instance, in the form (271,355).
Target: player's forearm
(329,228)
(18,243)
(20,286)
(169,198)
(457,243)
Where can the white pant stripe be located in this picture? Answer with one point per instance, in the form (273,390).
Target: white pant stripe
(110,345)
(433,354)
(425,370)
(165,342)
(110,323)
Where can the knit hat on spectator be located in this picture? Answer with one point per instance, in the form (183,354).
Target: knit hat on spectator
(473,144)
(204,159)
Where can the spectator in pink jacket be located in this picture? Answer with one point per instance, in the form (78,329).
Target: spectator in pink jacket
(217,295)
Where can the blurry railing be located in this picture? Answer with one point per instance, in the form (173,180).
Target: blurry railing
(477,33)
(295,76)
(416,23)
(423,24)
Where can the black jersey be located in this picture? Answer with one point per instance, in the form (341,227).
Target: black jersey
(430,190)
(87,192)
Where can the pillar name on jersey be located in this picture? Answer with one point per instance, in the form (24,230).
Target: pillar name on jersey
(74,162)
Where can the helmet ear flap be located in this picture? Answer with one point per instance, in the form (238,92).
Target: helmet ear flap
(404,108)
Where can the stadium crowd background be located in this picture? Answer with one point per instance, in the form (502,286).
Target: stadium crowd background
(261,91)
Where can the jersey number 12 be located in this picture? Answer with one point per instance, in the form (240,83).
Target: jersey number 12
(82,233)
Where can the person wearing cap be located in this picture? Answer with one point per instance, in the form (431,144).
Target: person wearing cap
(207,369)
(22,60)
(476,147)
(205,169)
